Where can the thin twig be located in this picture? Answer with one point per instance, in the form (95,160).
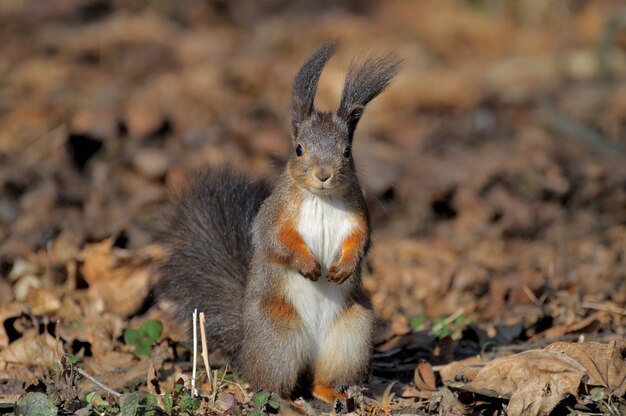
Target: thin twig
(236,384)
(97,382)
(609,307)
(205,351)
(195,352)
(215,386)
(455,315)
(531,295)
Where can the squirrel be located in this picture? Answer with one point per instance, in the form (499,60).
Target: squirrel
(278,271)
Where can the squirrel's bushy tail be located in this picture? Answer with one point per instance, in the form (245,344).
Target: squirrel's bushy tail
(208,245)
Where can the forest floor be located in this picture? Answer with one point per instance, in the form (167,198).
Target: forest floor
(494,169)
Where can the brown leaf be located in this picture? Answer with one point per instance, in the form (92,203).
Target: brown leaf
(409,392)
(32,349)
(424,376)
(151,163)
(603,362)
(535,381)
(582,325)
(152,381)
(144,115)
(43,301)
(465,370)
(98,260)
(123,290)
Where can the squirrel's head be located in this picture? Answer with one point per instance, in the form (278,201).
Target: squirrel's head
(321,159)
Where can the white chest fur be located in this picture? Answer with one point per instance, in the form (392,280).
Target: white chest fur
(324,224)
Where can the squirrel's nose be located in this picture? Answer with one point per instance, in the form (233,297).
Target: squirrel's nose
(322,175)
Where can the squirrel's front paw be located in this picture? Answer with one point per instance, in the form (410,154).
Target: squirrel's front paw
(311,269)
(340,271)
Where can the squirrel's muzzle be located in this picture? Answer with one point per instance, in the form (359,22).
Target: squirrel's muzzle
(323,174)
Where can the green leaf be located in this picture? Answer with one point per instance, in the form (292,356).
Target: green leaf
(273,404)
(189,404)
(441,328)
(129,403)
(597,394)
(143,349)
(36,404)
(260,398)
(152,330)
(72,359)
(223,375)
(462,321)
(131,336)
(151,400)
(94,399)
(418,323)
(168,402)
(149,405)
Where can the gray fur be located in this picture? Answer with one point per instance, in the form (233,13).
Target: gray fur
(305,85)
(364,82)
(207,238)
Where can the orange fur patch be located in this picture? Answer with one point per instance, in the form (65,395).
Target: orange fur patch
(354,243)
(327,393)
(279,309)
(289,236)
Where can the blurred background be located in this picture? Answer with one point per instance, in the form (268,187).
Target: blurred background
(494,167)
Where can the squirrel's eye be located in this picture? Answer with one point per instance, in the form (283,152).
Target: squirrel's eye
(347,152)
(298,150)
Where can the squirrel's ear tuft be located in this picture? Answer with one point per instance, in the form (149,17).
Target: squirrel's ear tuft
(305,85)
(363,83)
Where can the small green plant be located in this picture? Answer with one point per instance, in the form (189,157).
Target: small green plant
(168,403)
(264,402)
(36,404)
(71,359)
(99,404)
(418,322)
(443,327)
(143,338)
(179,401)
(188,404)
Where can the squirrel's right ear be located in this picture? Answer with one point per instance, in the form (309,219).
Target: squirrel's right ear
(305,86)
(363,83)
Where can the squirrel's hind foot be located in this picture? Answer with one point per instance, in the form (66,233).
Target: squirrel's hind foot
(327,394)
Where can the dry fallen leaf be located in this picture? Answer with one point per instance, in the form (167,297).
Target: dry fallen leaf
(32,349)
(463,370)
(123,289)
(604,363)
(98,260)
(534,381)
(425,376)
(43,301)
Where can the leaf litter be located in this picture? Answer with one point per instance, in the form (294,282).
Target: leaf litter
(493,169)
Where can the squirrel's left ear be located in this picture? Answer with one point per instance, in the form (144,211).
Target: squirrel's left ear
(305,86)
(365,82)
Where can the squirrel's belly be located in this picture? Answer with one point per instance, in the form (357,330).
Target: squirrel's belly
(318,305)
(324,224)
